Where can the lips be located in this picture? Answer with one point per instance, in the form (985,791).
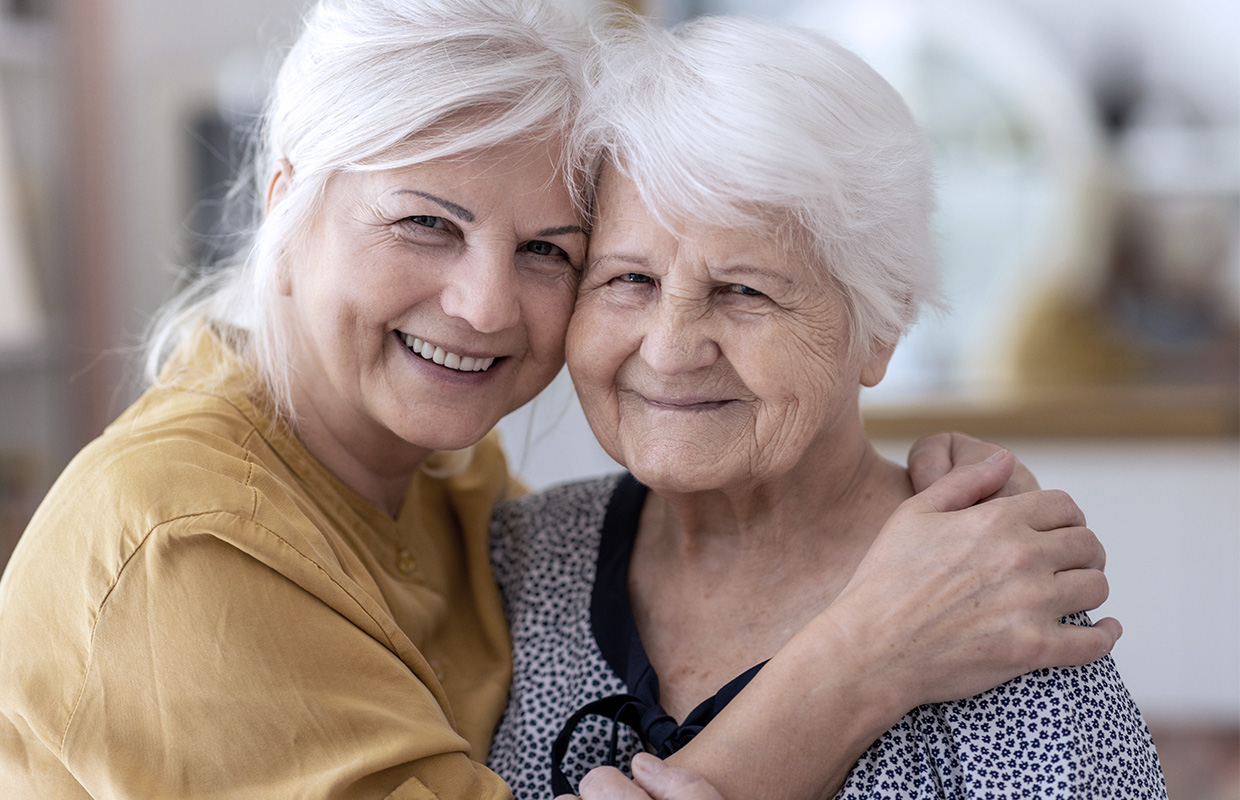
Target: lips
(681,404)
(446,358)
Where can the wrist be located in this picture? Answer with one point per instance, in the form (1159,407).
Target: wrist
(803,721)
(851,672)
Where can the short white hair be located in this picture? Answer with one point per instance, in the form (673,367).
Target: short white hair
(729,120)
(368,85)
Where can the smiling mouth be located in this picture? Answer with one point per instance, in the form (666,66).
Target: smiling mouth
(443,357)
(685,404)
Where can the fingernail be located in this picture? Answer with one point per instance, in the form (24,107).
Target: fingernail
(651,765)
(997,455)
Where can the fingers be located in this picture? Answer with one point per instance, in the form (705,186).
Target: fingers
(1112,628)
(1079,590)
(965,486)
(932,457)
(1044,510)
(1074,645)
(1071,549)
(652,780)
(929,459)
(609,783)
(1022,481)
(663,782)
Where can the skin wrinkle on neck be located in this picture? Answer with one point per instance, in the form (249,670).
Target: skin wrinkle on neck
(795,542)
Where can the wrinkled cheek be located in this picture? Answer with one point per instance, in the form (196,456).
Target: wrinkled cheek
(582,349)
(550,325)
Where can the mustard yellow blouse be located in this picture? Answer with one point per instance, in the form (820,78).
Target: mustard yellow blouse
(200,609)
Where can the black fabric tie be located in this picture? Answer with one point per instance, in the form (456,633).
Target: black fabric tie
(615,632)
(658,731)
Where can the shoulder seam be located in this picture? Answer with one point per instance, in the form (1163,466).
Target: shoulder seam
(107,595)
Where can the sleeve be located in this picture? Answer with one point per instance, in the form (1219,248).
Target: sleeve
(216,673)
(1065,732)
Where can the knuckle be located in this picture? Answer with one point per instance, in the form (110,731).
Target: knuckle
(1058,498)
(1065,506)
(1101,590)
(1017,558)
(991,517)
(1097,549)
(1087,548)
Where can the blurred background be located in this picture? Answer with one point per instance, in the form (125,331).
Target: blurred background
(1089,157)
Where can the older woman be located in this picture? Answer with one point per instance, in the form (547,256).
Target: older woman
(269,577)
(761,242)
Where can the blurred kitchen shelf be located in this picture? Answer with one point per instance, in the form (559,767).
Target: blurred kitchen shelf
(1136,411)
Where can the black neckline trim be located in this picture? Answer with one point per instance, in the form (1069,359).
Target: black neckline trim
(611,612)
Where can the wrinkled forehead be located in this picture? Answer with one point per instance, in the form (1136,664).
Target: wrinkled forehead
(681,209)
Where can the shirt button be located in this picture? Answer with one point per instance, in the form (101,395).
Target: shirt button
(405,562)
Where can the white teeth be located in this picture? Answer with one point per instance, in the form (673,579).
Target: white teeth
(450,360)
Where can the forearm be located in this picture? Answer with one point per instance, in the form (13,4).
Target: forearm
(951,600)
(798,728)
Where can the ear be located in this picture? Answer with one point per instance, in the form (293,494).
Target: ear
(277,187)
(875,366)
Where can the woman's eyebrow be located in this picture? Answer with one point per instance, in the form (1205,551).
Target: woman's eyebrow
(561,230)
(623,258)
(460,212)
(740,271)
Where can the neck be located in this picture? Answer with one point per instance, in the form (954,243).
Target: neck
(724,578)
(373,462)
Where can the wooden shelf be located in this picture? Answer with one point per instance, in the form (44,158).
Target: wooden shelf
(1102,412)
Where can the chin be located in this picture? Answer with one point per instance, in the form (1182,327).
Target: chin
(445,437)
(671,473)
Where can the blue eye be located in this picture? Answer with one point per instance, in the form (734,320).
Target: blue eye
(541,248)
(427,221)
(635,277)
(740,288)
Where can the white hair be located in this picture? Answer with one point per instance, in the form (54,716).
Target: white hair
(369,85)
(730,121)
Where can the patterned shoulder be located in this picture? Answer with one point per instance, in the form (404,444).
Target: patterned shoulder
(1058,733)
(548,526)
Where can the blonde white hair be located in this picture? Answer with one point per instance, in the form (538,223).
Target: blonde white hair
(729,120)
(369,85)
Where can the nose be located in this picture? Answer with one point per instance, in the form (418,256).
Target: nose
(678,337)
(482,291)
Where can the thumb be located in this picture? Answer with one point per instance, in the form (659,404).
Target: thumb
(966,486)
(646,767)
(663,782)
